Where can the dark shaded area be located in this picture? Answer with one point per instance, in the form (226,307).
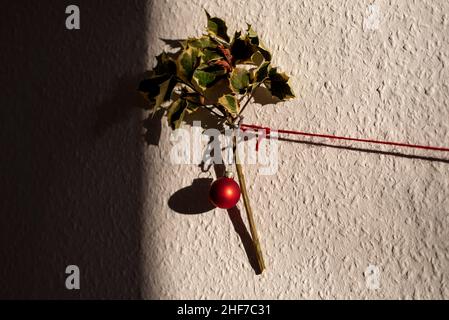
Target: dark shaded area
(193,199)
(121,106)
(71,177)
(207,119)
(240,228)
(173,43)
(387,153)
(263,96)
(153,128)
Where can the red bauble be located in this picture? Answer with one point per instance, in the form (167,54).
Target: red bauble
(224,193)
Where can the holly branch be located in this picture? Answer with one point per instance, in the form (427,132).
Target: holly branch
(185,81)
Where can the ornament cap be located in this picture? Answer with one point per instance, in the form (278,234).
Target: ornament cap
(229,174)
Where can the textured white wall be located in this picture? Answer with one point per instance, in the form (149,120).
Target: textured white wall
(328,213)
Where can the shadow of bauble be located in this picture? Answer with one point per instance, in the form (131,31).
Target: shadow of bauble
(193,199)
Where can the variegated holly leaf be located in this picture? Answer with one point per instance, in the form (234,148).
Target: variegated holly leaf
(176,112)
(226,53)
(230,103)
(202,43)
(203,79)
(239,80)
(165,91)
(187,62)
(191,107)
(157,90)
(257,58)
(278,84)
(261,73)
(255,41)
(165,65)
(179,109)
(192,97)
(209,55)
(206,75)
(217,27)
(150,87)
(241,49)
(244,47)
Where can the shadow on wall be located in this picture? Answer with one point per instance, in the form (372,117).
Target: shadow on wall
(71,142)
(181,201)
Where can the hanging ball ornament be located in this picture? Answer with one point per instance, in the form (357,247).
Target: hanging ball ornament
(224,192)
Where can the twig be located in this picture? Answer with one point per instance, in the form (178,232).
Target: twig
(246,102)
(249,212)
(214,112)
(206,106)
(250,97)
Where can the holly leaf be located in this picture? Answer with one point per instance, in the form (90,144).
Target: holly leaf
(278,84)
(241,49)
(230,103)
(239,80)
(176,112)
(187,62)
(255,41)
(226,53)
(205,76)
(202,43)
(165,65)
(261,73)
(151,88)
(191,107)
(194,98)
(217,27)
(157,90)
(244,47)
(203,79)
(209,56)
(257,58)
(165,91)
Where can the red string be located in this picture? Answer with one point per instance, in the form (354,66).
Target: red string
(267,131)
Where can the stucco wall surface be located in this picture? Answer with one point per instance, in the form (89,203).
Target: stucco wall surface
(359,68)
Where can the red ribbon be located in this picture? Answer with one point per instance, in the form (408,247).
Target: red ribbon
(267,131)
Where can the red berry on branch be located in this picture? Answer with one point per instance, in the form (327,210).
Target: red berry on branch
(224,192)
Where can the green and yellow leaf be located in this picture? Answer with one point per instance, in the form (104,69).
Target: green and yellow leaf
(209,56)
(157,90)
(217,27)
(203,79)
(165,91)
(261,73)
(230,103)
(176,112)
(202,43)
(239,80)
(187,62)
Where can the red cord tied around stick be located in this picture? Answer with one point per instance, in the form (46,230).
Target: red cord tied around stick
(267,131)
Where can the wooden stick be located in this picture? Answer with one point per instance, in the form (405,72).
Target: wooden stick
(249,212)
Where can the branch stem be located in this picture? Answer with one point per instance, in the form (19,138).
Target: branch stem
(214,112)
(250,97)
(249,212)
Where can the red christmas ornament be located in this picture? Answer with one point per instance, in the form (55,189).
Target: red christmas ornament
(224,192)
